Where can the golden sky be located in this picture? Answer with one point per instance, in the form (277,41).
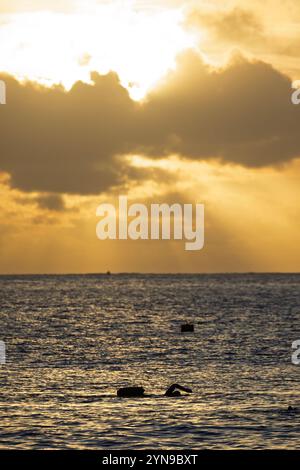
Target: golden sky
(159,100)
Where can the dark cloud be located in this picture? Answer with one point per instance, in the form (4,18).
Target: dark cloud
(53,141)
(75,142)
(240,114)
(52,202)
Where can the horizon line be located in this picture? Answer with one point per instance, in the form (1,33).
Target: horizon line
(164,273)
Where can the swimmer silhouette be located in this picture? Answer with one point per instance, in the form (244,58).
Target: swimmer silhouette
(173,391)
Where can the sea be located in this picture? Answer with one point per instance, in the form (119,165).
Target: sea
(73,340)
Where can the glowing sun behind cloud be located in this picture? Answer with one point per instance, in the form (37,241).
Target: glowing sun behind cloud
(49,47)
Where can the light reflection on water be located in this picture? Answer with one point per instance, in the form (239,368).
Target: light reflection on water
(73,340)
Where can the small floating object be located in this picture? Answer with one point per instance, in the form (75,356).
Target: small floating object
(108,273)
(131,392)
(187,328)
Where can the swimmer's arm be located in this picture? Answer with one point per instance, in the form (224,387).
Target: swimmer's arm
(179,387)
(184,389)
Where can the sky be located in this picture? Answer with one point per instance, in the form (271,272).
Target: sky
(161,101)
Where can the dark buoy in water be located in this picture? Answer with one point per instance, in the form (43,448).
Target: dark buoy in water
(187,328)
(131,392)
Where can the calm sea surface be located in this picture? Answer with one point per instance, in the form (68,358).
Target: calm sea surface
(73,340)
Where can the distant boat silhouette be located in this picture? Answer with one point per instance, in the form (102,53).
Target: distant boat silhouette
(187,328)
